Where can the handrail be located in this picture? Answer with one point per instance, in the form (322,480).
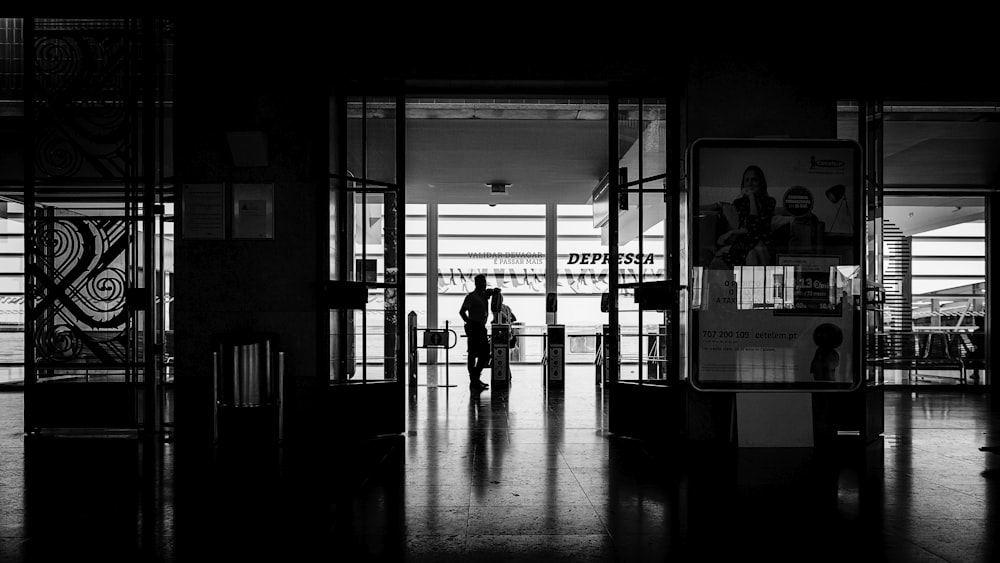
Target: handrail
(449,346)
(922,344)
(413,328)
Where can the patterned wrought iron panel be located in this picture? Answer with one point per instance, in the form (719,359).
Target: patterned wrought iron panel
(79,275)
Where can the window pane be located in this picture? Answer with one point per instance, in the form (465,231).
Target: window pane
(923,267)
(11,264)
(487,225)
(935,277)
(8,227)
(506,243)
(12,245)
(11,283)
(460,246)
(952,285)
(481,210)
(948,248)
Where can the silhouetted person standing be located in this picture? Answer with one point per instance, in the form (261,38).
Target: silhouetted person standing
(475,312)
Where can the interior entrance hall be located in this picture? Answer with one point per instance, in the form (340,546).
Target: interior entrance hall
(516,190)
(749,298)
(505,187)
(532,460)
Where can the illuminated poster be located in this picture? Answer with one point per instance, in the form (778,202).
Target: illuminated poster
(776,248)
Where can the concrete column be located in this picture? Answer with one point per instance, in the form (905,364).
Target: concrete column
(740,96)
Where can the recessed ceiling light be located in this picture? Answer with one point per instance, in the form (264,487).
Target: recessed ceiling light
(498,188)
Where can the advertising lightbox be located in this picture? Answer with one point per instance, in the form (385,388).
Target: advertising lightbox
(777,264)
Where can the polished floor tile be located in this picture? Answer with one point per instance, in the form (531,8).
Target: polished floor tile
(526,474)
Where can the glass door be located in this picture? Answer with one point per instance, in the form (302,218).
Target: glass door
(643,243)
(366,298)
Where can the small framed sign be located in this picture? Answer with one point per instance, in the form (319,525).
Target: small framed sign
(253,211)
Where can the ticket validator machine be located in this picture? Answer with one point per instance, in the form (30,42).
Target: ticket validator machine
(499,345)
(604,374)
(500,352)
(555,356)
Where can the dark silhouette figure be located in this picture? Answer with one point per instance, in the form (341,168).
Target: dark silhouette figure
(475,312)
(976,350)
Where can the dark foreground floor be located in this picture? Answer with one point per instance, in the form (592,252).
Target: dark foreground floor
(516,476)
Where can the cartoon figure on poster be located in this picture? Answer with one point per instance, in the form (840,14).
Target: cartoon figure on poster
(827,337)
(776,264)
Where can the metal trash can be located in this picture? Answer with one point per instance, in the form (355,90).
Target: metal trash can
(248,376)
(247,372)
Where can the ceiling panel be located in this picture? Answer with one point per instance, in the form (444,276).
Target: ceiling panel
(544,161)
(936,148)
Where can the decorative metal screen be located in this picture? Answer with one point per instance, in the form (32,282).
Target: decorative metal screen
(79,272)
(87,194)
(85,93)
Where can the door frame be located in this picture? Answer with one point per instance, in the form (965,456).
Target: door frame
(643,409)
(361,409)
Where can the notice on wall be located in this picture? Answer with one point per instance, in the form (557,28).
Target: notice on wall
(253,211)
(776,264)
(203,214)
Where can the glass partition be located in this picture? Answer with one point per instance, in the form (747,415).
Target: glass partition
(416,268)
(583,283)
(507,243)
(643,225)
(11,291)
(935,290)
(367,339)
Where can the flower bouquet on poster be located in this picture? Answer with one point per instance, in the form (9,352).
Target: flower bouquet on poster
(776,264)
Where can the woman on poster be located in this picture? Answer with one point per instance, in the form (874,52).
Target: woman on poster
(748,217)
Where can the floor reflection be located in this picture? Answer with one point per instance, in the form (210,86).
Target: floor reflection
(522,474)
